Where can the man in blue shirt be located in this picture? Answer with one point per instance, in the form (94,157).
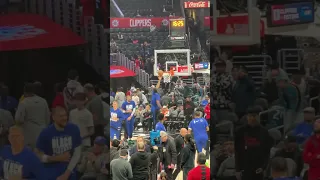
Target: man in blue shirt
(199,127)
(18,161)
(59,147)
(159,125)
(116,118)
(305,129)
(155,105)
(129,108)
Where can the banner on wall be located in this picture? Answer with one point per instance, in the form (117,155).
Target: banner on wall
(239,23)
(196,5)
(285,14)
(138,22)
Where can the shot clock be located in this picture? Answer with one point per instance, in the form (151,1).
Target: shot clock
(177,29)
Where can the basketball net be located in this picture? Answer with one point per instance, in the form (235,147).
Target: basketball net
(167,76)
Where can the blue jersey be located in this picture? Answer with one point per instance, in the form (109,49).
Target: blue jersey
(116,114)
(160,127)
(25,165)
(128,106)
(199,128)
(155,97)
(53,142)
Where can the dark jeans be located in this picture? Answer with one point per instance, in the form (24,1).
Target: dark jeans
(124,125)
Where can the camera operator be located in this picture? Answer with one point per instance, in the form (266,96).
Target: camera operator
(114,149)
(140,161)
(168,155)
(179,141)
(135,149)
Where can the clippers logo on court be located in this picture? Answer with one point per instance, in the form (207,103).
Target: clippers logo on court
(61,144)
(115,23)
(116,71)
(9,33)
(12,168)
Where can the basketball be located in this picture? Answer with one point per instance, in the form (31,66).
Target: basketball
(160,73)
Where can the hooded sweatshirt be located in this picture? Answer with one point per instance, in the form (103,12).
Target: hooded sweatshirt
(252,148)
(187,158)
(73,87)
(33,112)
(140,163)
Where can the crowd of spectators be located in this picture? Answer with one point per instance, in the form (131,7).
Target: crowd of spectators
(181,115)
(64,140)
(274,130)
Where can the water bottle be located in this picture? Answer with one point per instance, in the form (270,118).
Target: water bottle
(114,136)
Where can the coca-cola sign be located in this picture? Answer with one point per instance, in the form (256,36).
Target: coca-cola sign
(195,5)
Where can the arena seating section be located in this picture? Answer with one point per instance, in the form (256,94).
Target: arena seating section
(129,8)
(156,38)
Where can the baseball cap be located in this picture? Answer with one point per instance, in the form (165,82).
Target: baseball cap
(100,140)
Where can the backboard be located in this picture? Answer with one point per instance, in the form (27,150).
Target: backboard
(240,29)
(177,60)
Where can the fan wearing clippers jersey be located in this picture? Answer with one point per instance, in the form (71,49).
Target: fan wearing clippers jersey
(116,118)
(199,127)
(129,108)
(201,172)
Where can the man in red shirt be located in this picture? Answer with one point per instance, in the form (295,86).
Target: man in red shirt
(201,172)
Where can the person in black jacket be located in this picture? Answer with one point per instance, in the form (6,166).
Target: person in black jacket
(179,140)
(252,148)
(168,155)
(140,162)
(187,156)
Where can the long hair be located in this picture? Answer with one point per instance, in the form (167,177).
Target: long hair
(190,141)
